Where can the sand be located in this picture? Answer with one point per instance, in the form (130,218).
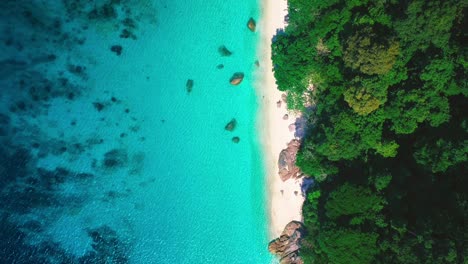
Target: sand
(285,199)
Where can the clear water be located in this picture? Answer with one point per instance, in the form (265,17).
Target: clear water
(164,181)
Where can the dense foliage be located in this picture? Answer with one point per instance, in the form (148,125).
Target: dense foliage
(387,144)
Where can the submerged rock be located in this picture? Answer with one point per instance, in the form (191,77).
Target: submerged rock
(231,125)
(117,49)
(99,106)
(237,78)
(125,34)
(286,247)
(189,85)
(220,66)
(287,168)
(252,25)
(224,51)
(235,139)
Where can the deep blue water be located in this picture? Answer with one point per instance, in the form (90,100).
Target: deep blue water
(105,157)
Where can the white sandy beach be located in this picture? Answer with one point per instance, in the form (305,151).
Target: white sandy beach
(284,197)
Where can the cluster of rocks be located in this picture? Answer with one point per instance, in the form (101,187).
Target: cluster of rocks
(287,246)
(230,127)
(287,168)
(237,77)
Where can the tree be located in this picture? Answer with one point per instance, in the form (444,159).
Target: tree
(364,52)
(344,246)
(366,95)
(442,154)
(357,202)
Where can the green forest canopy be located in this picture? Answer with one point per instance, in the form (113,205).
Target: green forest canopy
(387,138)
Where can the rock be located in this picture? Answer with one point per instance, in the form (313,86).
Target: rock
(235,139)
(278,104)
(224,51)
(189,85)
(252,25)
(287,168)
(231,125)
(117,49)
(284,97)
(287,246)
(285,117)
(99,106)
(237,78)
(257,63)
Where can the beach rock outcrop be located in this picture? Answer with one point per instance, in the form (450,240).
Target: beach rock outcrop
(286,247)
(236,78)
(252,25)
(287,168)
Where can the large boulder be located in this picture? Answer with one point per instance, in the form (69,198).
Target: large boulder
(252,25)
(286,247)
(287,168)
(236,78)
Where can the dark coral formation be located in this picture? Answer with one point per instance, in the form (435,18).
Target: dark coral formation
(107,247)
(45,71)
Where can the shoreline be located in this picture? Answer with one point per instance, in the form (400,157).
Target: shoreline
(284,198)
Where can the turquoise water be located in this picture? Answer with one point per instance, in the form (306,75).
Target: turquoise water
(173,187)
